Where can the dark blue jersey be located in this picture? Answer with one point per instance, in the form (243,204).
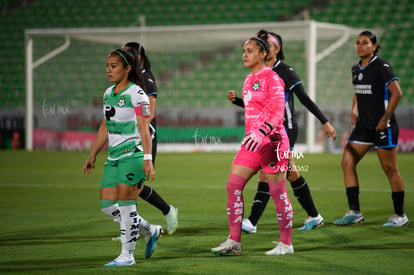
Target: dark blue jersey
(371,89)
(150,85)
(151,90)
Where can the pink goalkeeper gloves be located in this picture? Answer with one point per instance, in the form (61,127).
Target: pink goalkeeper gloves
(253,140)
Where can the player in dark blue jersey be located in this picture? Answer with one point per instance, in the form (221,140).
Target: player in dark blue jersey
(148,193)
(293,85)
(376,96)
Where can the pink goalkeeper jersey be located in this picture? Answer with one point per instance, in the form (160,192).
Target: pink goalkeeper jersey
(264,100)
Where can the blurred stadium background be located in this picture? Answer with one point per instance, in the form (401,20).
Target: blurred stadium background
(192,84)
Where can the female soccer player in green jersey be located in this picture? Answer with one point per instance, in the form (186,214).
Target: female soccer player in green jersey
(125,127)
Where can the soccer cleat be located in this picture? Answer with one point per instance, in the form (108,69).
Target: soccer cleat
(248,227)
(172,220)
(396,221)
(229,247)
(119,261)
(351,217)
(280,249)
(312,222)
(151,240)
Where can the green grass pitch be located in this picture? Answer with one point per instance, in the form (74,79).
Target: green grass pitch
(50,221)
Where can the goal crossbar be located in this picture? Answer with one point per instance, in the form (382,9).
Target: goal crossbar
(157,39)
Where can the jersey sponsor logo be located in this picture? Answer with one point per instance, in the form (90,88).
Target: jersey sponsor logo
(109,112)
(256,86)
(279,90)
(247,96)
(363,89)
(252,116)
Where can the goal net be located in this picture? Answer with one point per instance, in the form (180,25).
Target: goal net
(195,67)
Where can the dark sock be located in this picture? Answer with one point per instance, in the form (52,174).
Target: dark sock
(148,194)
(260,201)
(398,200)
(352,193)
(302,193)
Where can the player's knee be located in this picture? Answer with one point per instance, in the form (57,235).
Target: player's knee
(390,169)
(292,174)
(348,163)
(145,192)
(235,182)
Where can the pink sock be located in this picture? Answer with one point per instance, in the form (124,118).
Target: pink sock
(284,210)
(235,207)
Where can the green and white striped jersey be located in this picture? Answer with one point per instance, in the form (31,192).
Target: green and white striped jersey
(124,137)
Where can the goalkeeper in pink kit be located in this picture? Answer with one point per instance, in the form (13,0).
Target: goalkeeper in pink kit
(265,146)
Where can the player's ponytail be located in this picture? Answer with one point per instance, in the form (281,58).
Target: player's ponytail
(276,39)
(280,55)
(145,63)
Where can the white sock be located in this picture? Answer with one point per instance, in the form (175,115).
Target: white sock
(113,212)
(145,228)
(130,233)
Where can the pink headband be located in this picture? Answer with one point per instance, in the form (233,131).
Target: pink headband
(273,39)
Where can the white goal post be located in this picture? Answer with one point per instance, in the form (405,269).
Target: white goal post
(321,41)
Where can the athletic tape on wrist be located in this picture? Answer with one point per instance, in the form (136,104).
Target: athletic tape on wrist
(266,128)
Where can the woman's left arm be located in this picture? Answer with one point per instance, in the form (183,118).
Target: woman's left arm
(143,125)
(153,101)
(396,94)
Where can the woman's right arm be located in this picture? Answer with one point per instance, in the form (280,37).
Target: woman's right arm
(101,139)
(354,110)
(232,97)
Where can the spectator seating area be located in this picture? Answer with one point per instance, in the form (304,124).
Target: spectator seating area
(394,19)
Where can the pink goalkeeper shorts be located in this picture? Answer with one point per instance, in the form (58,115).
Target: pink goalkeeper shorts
(272,157)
